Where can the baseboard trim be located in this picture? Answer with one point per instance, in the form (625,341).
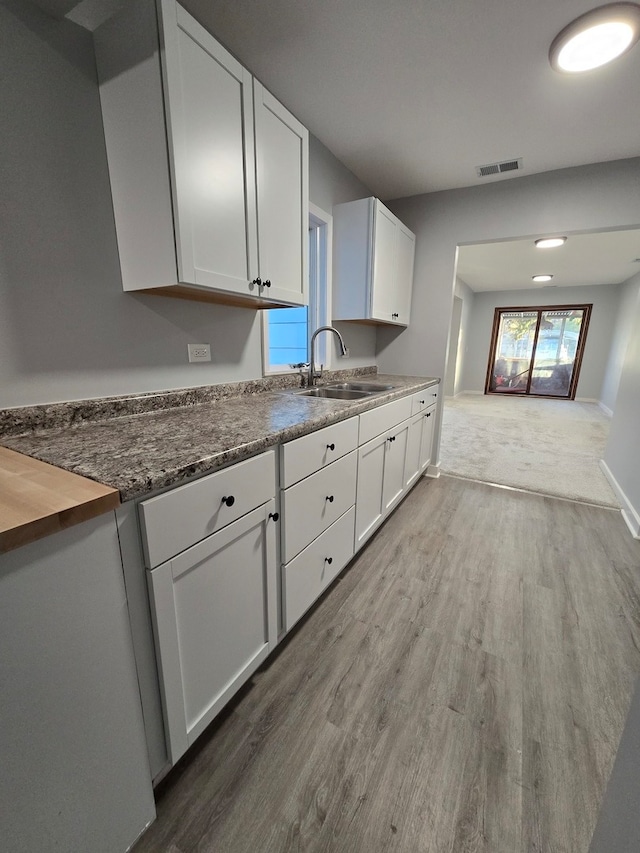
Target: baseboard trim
(470,392)
(631,517)
(608,412)
(587,400)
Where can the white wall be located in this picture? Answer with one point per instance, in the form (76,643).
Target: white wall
(620,341)
(605,300)
(586,198)
(463,293)
(67,330)
(622,454)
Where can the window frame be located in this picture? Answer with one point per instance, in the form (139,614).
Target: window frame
(319,308)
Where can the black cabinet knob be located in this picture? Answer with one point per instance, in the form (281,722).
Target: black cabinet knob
(329,498)
(257,281)
(328,560)
(435,395)
(428,415)
(422,402)
(331,446)
(395,315)
(267,282)
(229,500)
(391,438)
(274,515)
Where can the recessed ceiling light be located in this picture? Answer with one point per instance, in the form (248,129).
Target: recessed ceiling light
(596,38)
(541,277)
(550,242)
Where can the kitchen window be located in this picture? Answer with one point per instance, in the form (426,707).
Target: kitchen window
(286,331)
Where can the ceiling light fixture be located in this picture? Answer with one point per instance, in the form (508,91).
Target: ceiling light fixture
(550,242)
(596,38)
(541,277)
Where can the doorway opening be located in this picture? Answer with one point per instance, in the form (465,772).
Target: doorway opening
(537,351)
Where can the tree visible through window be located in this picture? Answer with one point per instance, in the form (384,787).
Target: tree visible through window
(537,351)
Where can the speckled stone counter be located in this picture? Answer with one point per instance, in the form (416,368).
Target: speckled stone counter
(158,447)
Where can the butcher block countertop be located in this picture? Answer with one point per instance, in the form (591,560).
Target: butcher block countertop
(37,499)
(116,449)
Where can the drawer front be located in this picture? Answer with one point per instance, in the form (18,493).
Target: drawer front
(314,504)
(308,454)
(311,572)
(425,398)
(376,421)
(178,519)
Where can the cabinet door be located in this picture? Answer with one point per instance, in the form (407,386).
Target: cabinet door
(208,101)
(215,619)
(414,444)
(369,505)
(282,146)
(405,252)
(426,439)
(383,297)
(394,465)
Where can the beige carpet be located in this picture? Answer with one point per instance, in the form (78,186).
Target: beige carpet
(548,446)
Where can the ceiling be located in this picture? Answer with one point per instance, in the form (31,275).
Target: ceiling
(413,95)
(585,259)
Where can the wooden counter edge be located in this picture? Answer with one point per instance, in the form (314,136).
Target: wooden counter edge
(78,499)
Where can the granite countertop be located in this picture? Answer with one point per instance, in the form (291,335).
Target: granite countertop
(140,453)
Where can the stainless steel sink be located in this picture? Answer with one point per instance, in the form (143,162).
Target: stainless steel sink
(368,387)
(334,393)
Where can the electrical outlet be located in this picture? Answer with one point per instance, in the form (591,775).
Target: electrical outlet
(199,352)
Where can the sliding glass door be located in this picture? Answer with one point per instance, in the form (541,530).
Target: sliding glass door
(537,351)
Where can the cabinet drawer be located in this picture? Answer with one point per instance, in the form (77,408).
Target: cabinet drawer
(376,421)
(316,502)
(423,399)
(311,572)
(308,454)
(178,519)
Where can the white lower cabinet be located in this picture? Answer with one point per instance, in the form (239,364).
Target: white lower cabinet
(381,470)
(213,600)
(215,620)
(311,572)
(318,474)
(419,444)
(426,439)
(316,502)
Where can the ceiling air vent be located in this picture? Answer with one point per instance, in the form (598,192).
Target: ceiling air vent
(499,168)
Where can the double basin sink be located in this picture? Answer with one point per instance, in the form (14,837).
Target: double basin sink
(347,390)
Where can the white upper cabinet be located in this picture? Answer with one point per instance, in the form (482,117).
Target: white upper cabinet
(282,182)
(373,264)
(209,173)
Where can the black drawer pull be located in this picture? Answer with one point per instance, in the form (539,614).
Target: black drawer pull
(331,447)
(395,315)
(435,395)
(274,515)
(229,500)
(422,402)
(391,438)
(428,415)
(267,282)
(257,281)
(328,560)
(329,498)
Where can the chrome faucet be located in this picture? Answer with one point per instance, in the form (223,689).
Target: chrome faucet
(314,374)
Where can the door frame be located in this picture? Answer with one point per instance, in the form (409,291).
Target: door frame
(577,364)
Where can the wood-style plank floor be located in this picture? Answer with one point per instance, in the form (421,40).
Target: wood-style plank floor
(461,689)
